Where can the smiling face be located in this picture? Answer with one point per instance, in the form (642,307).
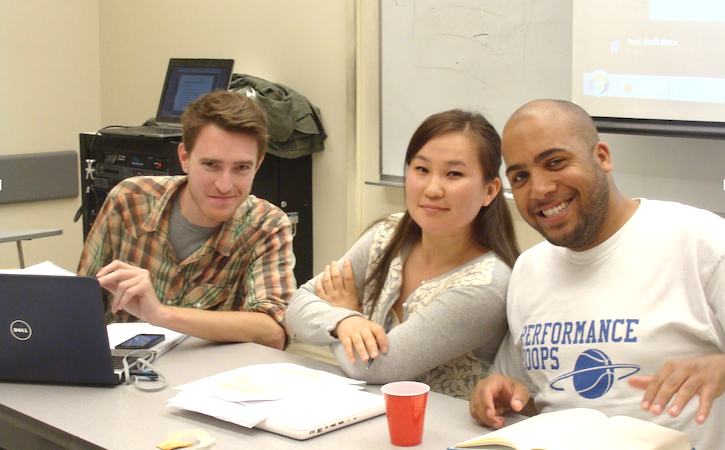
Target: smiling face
(445,187)
(558,178)
(221,169)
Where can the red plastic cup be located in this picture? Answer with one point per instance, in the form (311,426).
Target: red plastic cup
(405,407)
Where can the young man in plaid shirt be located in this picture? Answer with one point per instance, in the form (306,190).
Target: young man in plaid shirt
(196,253)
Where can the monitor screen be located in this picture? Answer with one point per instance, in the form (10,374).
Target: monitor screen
(650,59)
(187,80)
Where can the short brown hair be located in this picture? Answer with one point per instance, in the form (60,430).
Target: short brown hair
(231,111)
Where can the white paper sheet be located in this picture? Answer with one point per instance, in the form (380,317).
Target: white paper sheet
(265,382)
(249,414)
(44,268)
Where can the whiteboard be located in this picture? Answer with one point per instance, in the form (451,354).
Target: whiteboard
(491,56)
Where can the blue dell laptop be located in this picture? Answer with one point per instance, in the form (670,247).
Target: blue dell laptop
(52,330)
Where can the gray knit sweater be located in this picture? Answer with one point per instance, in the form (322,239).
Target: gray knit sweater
(451,328)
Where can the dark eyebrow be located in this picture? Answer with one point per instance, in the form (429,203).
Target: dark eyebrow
(247,162)
(513,168)
(454,162)
(540,157)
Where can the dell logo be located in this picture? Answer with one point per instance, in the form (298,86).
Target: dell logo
(20,330)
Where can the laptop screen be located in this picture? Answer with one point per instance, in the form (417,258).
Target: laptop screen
(187,80)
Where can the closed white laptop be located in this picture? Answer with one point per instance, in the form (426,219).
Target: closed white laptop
(324,410)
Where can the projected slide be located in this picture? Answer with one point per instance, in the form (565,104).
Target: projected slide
(650,59)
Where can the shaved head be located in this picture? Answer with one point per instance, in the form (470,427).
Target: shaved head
(573,118)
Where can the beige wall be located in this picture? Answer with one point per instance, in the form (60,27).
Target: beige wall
(49,92)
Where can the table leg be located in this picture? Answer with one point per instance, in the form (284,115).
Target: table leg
(20,255)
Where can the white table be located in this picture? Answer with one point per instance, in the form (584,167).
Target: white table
(123,417)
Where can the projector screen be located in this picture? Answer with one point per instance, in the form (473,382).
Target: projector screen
(654,61)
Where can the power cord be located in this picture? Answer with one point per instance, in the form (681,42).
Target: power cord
(141,370)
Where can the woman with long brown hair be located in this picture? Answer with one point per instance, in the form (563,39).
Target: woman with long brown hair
(423,292)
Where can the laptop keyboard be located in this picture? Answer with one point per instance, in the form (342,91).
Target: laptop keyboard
(150,129)
(163,130)
(145,130)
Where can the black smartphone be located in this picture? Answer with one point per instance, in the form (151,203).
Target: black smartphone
(141,341)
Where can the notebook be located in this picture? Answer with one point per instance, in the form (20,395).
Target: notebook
(52,330)
(323,411)
(186,80)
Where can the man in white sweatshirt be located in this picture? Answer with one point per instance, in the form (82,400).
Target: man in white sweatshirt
(622,309)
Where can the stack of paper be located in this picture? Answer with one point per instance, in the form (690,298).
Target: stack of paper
(248,395)
(44,268)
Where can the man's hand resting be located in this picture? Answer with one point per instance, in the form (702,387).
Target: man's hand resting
(494,396)
(683,379)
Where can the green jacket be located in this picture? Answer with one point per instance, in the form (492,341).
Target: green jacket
(294,124)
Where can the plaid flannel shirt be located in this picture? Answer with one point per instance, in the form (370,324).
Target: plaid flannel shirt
(246,265)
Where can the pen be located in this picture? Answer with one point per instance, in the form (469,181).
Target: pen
(370,363)
(388,323)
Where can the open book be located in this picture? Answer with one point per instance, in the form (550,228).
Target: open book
(580,428)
